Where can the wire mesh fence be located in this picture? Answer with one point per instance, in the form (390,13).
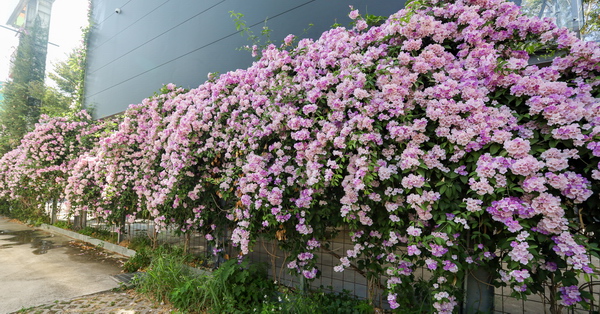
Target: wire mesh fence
(352,279)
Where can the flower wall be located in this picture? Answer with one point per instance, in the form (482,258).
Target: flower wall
(37,170)
(429,136)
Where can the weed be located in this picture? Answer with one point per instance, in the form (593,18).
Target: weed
(241,284)
(139,261)
(166,272)
(63,224)
(99,233)
(140,242)
(318,301)
(234,287)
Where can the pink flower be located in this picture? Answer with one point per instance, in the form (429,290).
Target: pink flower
(413,250)
(353,14)
(570,295)
(519,253)
(517,148)
(526,166)
(520,275)
(289,39)
(473,205)
(413,231)
(412,181)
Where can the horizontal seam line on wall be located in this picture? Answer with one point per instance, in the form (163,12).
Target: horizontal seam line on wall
(130,25)
(159,35)
(192,51)
(126,3)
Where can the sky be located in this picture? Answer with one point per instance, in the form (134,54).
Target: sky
(68,17)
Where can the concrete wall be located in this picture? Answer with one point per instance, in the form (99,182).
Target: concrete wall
(154,42)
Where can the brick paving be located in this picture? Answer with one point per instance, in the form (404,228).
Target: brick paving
(118,302)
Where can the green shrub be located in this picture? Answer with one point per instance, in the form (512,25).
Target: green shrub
(4,207)
(99,233)
(139,261)
(62,224)
(23,210)
(233,288)
(166,273)
(139,242)
(319,301)
(190,294)
(240,286)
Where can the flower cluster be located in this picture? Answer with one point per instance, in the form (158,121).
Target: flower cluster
(429,136)
(38,168)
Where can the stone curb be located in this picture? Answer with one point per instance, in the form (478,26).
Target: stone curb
(125,302)
(99,243)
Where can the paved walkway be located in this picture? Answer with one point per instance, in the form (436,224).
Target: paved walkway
(66,276)
(38,267)
(120,302)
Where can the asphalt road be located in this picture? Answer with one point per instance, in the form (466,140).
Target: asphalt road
(37,267)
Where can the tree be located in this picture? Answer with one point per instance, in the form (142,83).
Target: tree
(21,107)
(69,77)
(591,13)
(561,10)
(26,94)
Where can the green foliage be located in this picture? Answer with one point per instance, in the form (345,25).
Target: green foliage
(4,207)
(169,279)
(166,273)
(245,284)
(416,297)
(26,96)
(99,233)
(143,256)
(375,20)
(69,77)
(234,287)
(189,295)
(591,27)
(66,74)
(244,30)
(140,242)
(23,210)
(319,301)
(14,115)
(63,224)
(139,261)
(21,106)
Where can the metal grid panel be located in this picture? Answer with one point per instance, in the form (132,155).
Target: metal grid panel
(350,279)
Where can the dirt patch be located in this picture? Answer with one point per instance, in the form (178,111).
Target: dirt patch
(84,252)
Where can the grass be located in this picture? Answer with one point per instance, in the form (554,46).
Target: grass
(235,287)
(99,233)
(63,225)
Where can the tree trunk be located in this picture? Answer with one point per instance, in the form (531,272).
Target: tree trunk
(54,211)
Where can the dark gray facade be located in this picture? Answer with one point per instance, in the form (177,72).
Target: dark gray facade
(149,43)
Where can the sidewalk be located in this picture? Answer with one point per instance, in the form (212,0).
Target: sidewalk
(62,274)
(104,302)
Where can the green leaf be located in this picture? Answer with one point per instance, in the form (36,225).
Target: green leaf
(494,149)
(443,189)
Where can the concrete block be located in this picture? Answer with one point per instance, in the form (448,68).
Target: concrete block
(103,244)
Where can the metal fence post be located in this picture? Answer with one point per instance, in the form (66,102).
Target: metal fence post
(480,292)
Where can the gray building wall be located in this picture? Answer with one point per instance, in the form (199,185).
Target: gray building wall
(154,42)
